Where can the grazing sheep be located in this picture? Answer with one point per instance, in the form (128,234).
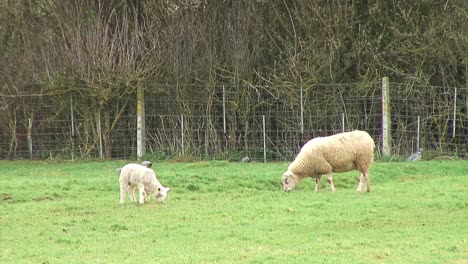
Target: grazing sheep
(338,153)
(138,176)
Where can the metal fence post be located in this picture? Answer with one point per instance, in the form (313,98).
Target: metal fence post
(224,110)
(182,133)
(417,134)
(454,113)
(302,112)
(264,139)
(30,140)
(343,122)
(72,119)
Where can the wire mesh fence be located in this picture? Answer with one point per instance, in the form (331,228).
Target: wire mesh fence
(222,122)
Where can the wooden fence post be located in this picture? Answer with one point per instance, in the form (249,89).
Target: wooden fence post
(99,131)
(141,136)
(386,118)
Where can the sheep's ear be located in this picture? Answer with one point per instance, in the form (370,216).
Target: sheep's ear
(168,189)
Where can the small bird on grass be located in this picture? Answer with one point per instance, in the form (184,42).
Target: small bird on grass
(415,156)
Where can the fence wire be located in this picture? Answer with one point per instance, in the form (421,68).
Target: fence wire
(223,123)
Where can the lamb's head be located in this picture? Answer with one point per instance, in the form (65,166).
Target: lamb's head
(161,193)
(289,180)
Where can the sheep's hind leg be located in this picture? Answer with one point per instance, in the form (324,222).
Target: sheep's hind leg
(317,183)
(361,182)
(123,192)
(367,181)
(330,181)
(131,193)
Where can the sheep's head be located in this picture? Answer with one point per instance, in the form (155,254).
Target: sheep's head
(161,193)
(289,181)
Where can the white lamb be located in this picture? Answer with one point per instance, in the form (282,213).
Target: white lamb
(136,175)
(338,153)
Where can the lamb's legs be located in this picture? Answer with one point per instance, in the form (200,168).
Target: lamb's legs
(141,189)
(123,192)
(131,193)
(330,181)
(147,197)
(317,183)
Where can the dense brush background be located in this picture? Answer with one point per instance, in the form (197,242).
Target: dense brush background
(91,56)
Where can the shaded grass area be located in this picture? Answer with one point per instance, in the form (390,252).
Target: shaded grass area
(221,212)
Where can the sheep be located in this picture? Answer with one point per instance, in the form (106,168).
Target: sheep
(337,153)
(136,175)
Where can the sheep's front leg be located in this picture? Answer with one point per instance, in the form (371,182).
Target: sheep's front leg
(317,183)
(330,181)
(147,196)
(141,189)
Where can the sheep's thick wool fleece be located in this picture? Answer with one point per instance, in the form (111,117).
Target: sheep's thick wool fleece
(338,153)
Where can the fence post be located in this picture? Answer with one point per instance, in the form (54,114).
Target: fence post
(417,134)
(454,113)
(30,142)
(141,137)
(343,122)
(99,128)
(72,119)
(386,118)
(264,139)
(302,113)
(224,110)
(182,133)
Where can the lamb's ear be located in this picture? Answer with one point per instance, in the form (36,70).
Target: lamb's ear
(168,189)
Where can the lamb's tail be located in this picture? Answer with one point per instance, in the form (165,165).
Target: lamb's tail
(118,170)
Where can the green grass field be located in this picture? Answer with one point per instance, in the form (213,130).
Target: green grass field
(220,212)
